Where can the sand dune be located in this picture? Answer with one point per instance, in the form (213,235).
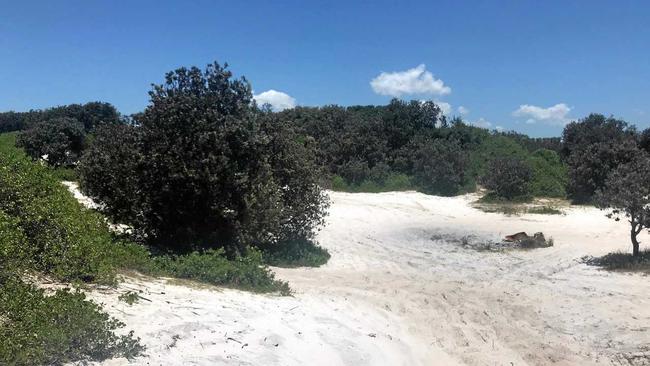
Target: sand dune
(401,289)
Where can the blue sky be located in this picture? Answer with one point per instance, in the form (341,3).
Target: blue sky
(523,65)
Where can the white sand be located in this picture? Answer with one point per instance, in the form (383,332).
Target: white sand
(398,291)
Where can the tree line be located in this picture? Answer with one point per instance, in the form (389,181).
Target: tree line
(204,166)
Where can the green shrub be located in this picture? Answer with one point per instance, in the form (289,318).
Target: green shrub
(65,174)
(339,184)
(61,140)
(39,329)
(544,210)
(492,147)
(550,176)
(619,261)
(398,182)
(392,182)
(508,178)
(354,171)
(65,239)
(295,253)
(43,228)
(369,186)
(129,297)
(213,267)
(13,251)
(439,167)
(8,142)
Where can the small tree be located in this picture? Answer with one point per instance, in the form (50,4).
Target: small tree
(626,194)
(508,178)
(61,139)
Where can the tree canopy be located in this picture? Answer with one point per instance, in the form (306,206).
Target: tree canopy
(203,167)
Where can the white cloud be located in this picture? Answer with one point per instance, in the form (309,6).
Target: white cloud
(277,99)
(444,107)
(499,128)
(554,115)
(463,110)
(412,81)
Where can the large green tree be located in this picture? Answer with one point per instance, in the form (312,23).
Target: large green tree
(203,167)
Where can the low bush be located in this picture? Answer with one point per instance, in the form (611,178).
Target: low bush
(129,297)
(295,253)
(493,197)
(354,171)
(40,329)
(213,267)
(439,167)
(392,183)
(13,251)
(339,184)
(398,182)
(61,140)
(620,261)
(508,178)
(64,239)
(65,174)
(544,210)
(550,177)
(490,148)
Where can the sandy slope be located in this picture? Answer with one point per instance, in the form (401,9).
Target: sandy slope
(401,289)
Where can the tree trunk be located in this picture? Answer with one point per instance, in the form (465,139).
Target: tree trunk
(635,243)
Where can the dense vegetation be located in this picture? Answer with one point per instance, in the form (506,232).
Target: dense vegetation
(412,145)
(89,115)
(59,141)
(593,147)
(203,168)
(508,178)
(55,329)
(45,231)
